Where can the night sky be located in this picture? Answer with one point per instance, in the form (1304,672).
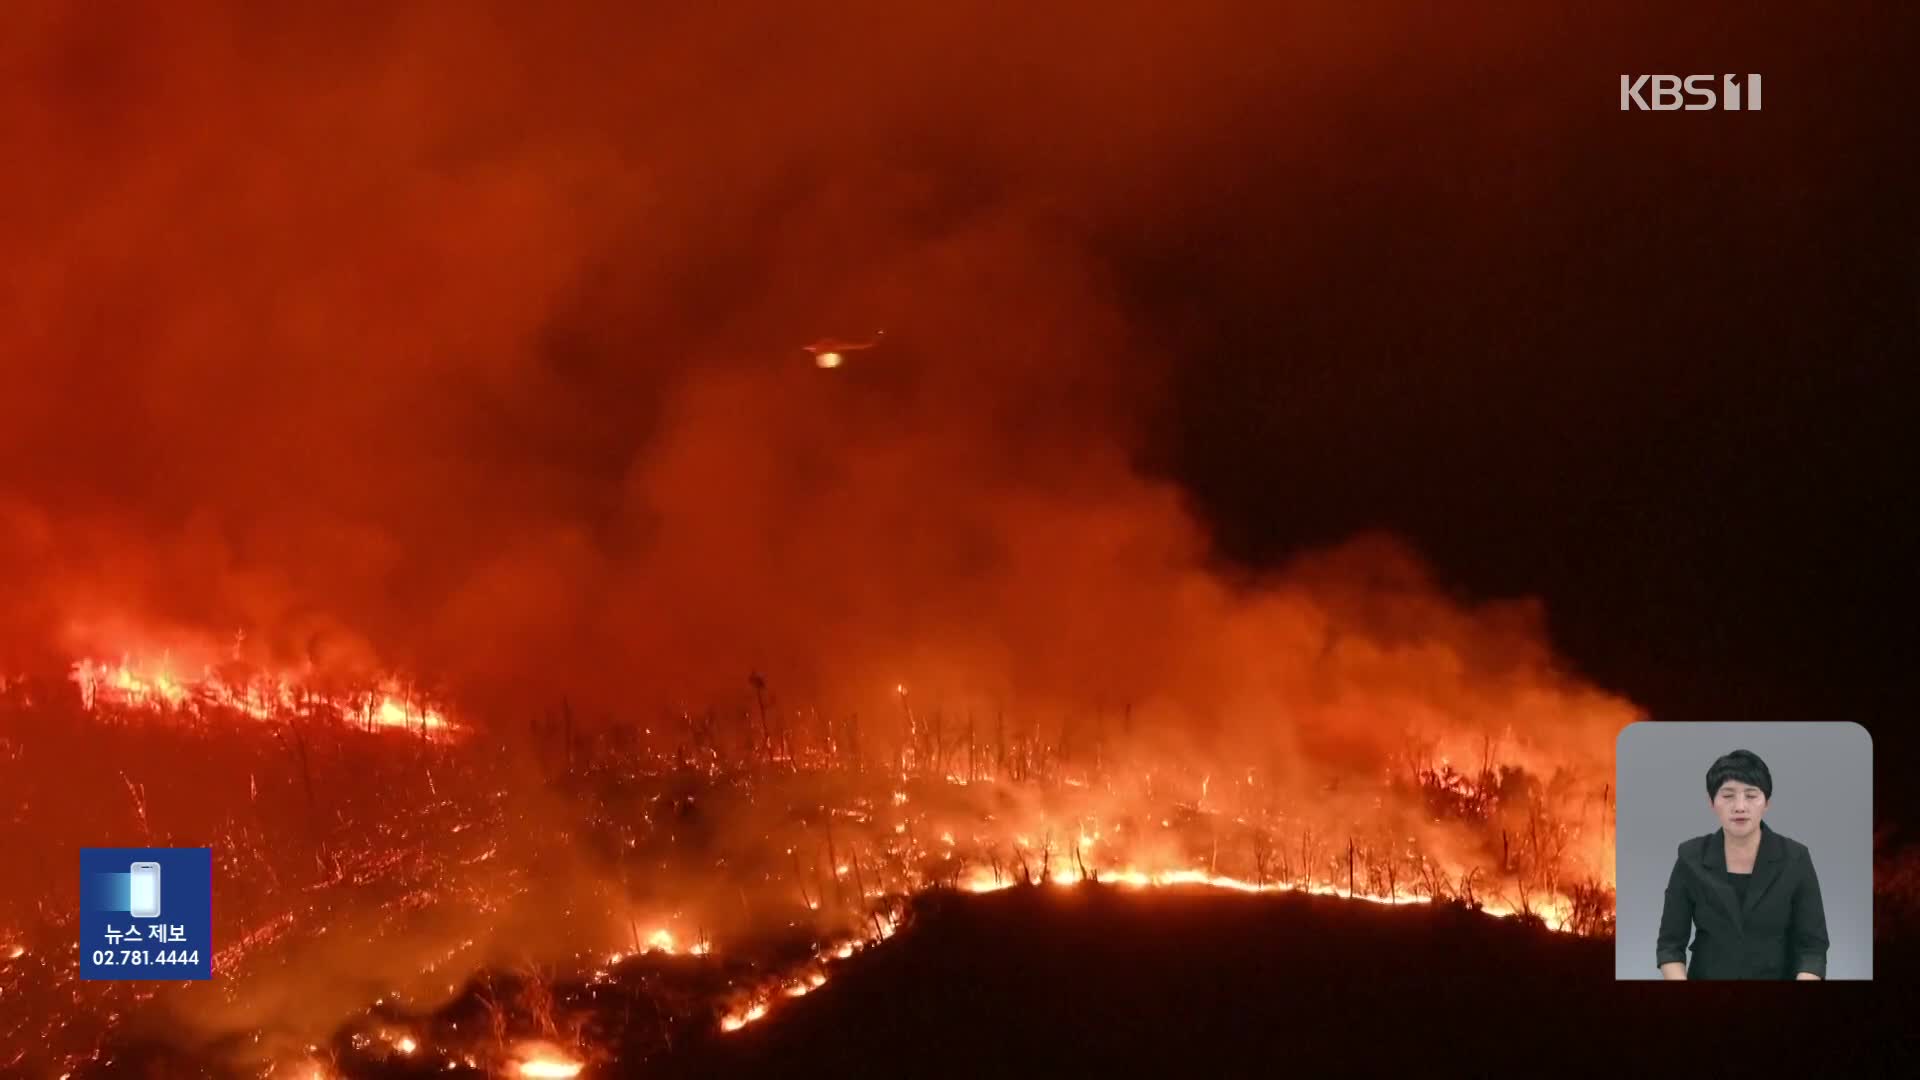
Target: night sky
(1656,368)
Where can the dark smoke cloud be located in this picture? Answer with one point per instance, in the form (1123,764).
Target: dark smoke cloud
(467,342)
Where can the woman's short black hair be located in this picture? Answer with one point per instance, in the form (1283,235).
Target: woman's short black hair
(1744,766)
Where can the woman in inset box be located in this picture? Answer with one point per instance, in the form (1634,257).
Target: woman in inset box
(1746,894)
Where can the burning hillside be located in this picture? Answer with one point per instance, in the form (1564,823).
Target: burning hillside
(447,896)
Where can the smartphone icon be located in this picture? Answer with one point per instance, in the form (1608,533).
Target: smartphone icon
(145,892)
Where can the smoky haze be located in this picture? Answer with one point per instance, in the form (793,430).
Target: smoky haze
(471,347)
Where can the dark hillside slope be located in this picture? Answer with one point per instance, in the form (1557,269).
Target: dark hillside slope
(1201,983)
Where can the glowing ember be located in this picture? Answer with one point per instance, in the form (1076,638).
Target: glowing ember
(828,360)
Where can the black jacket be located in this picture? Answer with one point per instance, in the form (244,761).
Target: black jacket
(1780,931)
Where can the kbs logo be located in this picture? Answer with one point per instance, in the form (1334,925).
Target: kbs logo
(1670,93)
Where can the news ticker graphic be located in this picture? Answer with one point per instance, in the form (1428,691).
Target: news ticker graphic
(146,913)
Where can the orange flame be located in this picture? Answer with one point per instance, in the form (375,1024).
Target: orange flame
(546,1062)
(155,687)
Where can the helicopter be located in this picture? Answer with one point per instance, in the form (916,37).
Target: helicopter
(829,353)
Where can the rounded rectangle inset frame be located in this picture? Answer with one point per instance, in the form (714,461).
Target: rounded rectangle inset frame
(1815,829)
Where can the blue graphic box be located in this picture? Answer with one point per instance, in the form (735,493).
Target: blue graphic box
(146,913)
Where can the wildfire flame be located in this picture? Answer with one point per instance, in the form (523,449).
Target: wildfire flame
(736,1020)
(918,826)
(545,1062)
(141,686)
